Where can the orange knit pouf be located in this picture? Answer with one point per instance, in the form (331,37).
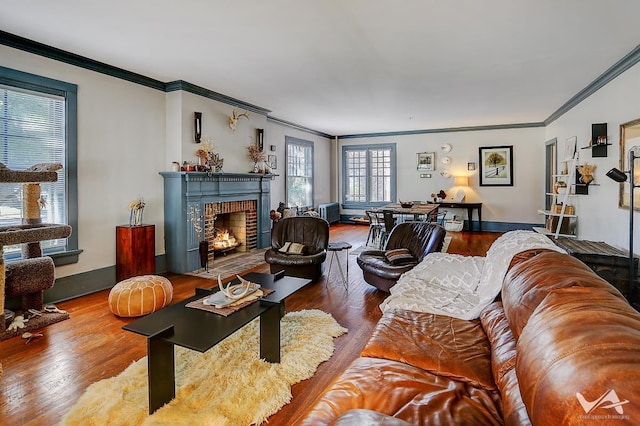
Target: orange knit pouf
(141,295)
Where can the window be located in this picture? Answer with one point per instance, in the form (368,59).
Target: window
(369,173)
(299,174)
(38,125)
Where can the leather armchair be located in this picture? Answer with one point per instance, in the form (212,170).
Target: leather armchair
(313,232)
(420,238)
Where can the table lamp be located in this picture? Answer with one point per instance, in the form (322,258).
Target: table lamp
(460,181)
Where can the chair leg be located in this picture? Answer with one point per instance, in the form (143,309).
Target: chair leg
(369,235)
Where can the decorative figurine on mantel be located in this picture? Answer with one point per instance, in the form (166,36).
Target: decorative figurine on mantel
(209,160)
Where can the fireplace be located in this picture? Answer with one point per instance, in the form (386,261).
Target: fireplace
(236,202)
(230,226)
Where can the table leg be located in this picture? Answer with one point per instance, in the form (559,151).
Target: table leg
(161,370)
(479,218)
(470,217)
(270,334)
(332,254)
(345,282)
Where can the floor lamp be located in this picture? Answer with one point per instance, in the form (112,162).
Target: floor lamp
(621,177)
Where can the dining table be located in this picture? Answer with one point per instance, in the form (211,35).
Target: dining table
(419,211)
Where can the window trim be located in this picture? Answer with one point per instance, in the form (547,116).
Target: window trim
(69,92)
(289,140)
(368,204)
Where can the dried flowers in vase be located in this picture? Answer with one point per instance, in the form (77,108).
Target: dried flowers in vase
(256,155)
(136,208)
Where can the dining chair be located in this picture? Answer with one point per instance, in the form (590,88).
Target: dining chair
(376,228)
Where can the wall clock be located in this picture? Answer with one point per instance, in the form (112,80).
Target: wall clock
(445,147)
(446,160)
(445,174)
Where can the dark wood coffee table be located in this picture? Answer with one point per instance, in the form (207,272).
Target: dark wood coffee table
(201,330)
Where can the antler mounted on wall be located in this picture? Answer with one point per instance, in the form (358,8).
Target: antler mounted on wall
(233,119)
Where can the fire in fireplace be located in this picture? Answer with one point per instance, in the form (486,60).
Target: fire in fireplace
(231,225)
(224,241)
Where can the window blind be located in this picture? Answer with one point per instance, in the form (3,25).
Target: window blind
(32,131)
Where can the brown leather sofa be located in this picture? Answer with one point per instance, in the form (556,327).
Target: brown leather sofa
(313,233)
(561,347)
(421,238)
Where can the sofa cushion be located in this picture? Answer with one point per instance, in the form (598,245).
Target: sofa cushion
(401,256)
(292,248)
(360,417)
(578,360)
(405,392)
(503,361)
(529,282)
(375,261)
(442,345)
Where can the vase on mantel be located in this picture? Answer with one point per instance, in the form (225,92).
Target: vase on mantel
(203,250)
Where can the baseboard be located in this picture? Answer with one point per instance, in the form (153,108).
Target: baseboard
(78,285)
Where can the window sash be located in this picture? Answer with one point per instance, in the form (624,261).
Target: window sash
(369,175)
(32,131)
(299,172)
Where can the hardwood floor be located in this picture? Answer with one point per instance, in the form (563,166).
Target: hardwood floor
(43,379)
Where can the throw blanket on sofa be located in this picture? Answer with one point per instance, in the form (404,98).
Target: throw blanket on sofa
(461,286)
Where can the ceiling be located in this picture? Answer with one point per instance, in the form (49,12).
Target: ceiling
(354,66)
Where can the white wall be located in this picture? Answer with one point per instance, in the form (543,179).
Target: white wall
(516,204)
(121,134)
(275,135)
(600,218)
(232,146)
(128,133)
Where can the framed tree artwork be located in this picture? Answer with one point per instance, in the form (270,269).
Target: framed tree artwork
(496,165)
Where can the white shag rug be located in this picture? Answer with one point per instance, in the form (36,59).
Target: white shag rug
(227,385)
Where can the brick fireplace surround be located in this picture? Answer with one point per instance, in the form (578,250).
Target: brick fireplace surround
(238,217)
(212,194)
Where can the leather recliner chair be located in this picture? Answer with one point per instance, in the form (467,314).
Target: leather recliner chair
(420,238)
(313,233)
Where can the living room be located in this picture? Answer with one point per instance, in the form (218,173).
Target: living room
(132,125)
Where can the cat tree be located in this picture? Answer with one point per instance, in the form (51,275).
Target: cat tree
(31,275)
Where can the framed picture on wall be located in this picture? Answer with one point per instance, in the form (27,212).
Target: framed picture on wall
(570,148)
(272,161)
(630,139)
(496,165)
(426,161)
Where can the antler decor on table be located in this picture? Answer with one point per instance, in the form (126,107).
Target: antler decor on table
(237,291)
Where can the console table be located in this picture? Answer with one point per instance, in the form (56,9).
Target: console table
(470,208)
